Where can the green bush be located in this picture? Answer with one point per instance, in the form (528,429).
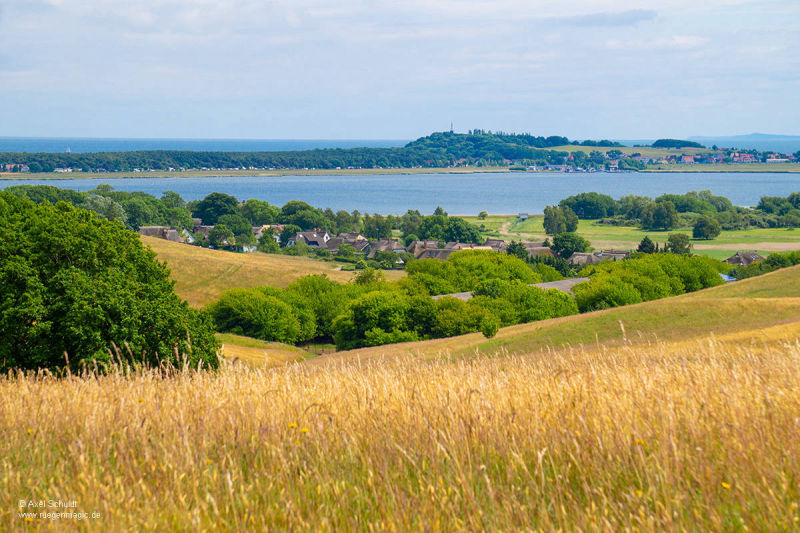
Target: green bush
(253,313)
(645,277)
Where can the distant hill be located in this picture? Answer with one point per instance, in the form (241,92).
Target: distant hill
(754,141)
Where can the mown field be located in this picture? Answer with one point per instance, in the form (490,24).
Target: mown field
(604,236)
(650,425)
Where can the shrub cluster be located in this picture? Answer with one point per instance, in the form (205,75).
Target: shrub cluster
(645,277)
(371,311)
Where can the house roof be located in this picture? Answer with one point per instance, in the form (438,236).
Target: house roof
(385,245)
(744,258)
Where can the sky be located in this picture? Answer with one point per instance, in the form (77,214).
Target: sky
(370,69)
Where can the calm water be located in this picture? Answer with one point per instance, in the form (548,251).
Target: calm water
(465,194)
(82,145)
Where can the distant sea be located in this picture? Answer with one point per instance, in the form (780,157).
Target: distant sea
(85,145)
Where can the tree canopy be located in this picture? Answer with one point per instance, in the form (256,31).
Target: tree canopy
(72,283)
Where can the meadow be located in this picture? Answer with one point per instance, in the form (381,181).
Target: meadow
(693,429)
(201,274)
(605,236)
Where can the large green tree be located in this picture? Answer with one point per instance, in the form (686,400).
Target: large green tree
(566,244)
(213,206)
(72,283)
(660,216)
(559,220)
(706,227)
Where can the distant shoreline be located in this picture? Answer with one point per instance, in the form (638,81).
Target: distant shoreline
(756,168)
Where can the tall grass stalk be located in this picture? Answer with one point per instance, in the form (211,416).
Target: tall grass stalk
(692,436)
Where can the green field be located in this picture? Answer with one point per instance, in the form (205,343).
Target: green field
(605,236)
(646,151)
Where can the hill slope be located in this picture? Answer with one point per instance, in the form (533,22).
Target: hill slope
(201,275)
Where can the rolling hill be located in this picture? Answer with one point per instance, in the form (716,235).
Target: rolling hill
(201,274)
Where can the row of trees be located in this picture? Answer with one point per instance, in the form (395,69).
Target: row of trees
(706,213)
(132,209)
(478,147)
(773,262)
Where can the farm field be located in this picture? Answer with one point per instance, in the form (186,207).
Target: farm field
(675,429)
(201,274)
(604,236)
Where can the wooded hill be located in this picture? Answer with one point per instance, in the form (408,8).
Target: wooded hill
(442,149)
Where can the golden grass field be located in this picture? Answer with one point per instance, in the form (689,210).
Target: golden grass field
(201,274)
(690,429)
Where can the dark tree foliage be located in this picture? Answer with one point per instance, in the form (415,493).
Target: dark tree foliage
(566,244)
(706,227)
(73,283)
(517,249)
(213,206)
(647,246)
(676,143)
(660,216)
(590,205)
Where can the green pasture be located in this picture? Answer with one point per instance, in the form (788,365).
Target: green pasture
(646,151)
(604,236)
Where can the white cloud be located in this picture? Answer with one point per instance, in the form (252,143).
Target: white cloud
(565,58)
(674,42)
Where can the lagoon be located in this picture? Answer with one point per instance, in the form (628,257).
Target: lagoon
(464,194)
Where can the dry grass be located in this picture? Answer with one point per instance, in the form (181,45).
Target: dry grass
(201,274)
(698,431)
(260,353)
(695,435)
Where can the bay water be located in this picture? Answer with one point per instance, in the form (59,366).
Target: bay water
(464,194)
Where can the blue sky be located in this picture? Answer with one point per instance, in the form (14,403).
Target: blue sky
(398,70)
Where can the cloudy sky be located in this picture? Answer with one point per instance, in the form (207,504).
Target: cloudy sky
(398,70)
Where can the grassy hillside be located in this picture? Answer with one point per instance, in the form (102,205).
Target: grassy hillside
(258,353)
(201,275)
(694,431)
